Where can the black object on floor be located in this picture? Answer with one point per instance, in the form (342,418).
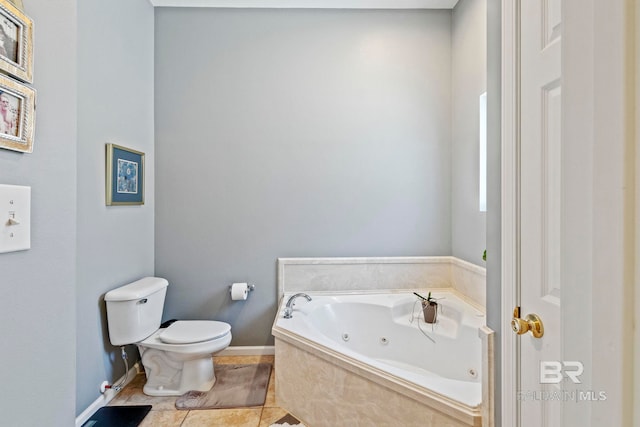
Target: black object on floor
(118,416)
(288,419)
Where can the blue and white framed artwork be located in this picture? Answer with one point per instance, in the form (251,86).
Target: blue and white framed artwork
(125,176)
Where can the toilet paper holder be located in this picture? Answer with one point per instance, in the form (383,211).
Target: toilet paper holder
(249,287)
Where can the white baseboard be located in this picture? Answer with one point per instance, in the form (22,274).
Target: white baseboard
(249,350)
(107,396)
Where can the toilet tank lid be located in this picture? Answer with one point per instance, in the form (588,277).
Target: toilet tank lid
(136,290)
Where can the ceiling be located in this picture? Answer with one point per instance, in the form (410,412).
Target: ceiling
(311,4)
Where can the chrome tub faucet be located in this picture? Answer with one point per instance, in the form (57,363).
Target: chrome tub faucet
(288,310)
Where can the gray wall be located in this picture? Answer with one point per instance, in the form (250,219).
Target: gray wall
(37,287)
(469,58)
(115,104)
(295,133)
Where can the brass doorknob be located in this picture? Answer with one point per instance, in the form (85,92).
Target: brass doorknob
(531,322)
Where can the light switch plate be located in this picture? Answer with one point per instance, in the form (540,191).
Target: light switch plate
(15,218)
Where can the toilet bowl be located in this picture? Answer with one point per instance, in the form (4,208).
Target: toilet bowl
(177,358)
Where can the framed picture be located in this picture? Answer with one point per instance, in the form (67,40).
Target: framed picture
(16,42)
(17,115)
(125,176)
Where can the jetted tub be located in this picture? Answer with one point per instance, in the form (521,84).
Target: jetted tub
(383,340)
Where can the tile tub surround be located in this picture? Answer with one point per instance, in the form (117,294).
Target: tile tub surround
(487,335)
(374,274)
(323,391)
(470,280)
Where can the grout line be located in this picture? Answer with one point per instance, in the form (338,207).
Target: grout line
(185,418)
(260,419)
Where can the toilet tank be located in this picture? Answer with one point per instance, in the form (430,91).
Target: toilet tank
(134,311)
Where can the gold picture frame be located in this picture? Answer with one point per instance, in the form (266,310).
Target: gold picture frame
(17,115)
(124,176)
(16,42)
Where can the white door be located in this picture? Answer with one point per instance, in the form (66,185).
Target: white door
(541,363)
(567,209)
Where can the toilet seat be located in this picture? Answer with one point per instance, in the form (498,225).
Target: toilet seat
(197,343)
(193,331)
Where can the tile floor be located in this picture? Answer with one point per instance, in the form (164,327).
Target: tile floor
(165,414)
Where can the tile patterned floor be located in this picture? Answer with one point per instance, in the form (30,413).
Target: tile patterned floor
(165,414)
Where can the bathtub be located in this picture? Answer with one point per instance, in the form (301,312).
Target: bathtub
(370,359)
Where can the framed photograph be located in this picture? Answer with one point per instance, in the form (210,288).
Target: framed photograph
(17,115)
(16,42)
(125,176)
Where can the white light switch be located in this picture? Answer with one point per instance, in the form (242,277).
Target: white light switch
(15,218)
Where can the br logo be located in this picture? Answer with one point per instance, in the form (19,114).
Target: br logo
(552,372)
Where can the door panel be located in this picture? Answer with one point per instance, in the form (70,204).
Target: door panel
(551,193)
(552,21)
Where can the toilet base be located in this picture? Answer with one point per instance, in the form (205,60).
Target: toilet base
(173,374)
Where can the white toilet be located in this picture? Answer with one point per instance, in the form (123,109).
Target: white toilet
(177,358)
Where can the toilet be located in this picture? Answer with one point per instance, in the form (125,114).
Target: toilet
(176,358)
